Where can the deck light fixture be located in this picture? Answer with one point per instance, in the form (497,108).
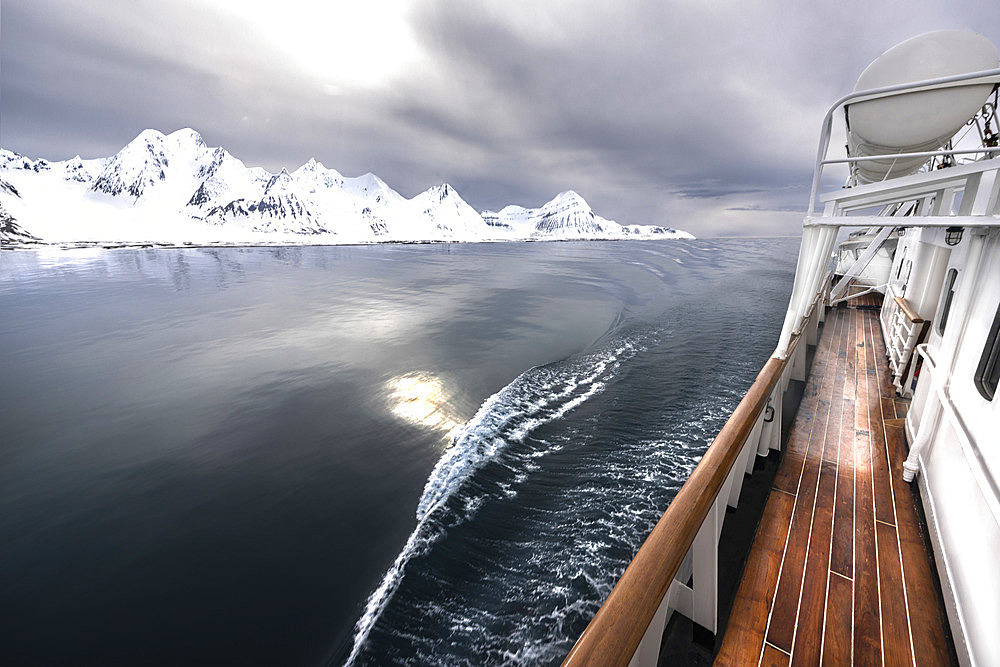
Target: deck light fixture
(953,235)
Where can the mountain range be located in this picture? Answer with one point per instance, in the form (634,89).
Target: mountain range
(174,189)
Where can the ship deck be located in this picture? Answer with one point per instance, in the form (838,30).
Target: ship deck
(840,571)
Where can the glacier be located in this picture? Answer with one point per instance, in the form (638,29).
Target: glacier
(174,190)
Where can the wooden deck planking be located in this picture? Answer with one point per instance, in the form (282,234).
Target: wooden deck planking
(926,615)
(895,622)
(815,401)
(781,627)
(773,657)
(856,582)
(867,622)
(884,503)
(838,629)
(747,622)
(809,628)
(810,623)
(842,542)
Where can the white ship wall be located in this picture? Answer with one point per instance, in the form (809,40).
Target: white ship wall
(960,466)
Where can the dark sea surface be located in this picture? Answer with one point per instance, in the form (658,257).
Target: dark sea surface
(421,454)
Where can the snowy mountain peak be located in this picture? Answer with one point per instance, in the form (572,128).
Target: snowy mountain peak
(180,183)
(442,192)
(7,156)
(280,181)
(135,168)
(370,186)
(186,137)
(569,198)
(439,194)
(314,177)
(366,183)
(311,166)
(164,168)
(450,215)
(567,215)
(13,160)
(147,136)
(75,171)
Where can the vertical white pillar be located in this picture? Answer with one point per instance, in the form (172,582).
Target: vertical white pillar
(706,572)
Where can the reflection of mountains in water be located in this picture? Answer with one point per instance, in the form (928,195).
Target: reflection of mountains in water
(529,517)
(174,266)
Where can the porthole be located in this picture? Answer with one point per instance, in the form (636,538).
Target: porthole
(988,372)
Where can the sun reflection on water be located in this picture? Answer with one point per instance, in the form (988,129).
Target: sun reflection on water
(421,399)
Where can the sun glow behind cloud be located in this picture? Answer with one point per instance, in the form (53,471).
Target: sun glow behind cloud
(341,44)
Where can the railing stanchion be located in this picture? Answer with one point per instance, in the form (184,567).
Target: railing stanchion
(706,572)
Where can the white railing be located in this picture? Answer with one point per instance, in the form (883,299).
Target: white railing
(974,187)
(934,195)
(969,79)
(902,330)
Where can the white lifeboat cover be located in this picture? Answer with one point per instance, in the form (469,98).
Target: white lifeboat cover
(921,121)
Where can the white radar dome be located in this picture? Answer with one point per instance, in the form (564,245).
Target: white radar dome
(919,121)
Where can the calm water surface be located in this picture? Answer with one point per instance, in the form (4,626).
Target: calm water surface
(436,454)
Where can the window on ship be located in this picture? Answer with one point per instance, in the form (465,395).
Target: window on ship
(908,265)
(988,372)
(946,298)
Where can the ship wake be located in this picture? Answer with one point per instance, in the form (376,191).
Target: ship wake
(528,519)
(496,435)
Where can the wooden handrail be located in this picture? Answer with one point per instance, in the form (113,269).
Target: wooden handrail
(904,306)
(615,632)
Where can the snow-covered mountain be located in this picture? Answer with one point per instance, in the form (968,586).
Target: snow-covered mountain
(569,216)
(176,189)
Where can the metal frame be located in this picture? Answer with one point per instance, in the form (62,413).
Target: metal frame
(859,265)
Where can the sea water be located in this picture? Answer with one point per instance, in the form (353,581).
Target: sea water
(418,454)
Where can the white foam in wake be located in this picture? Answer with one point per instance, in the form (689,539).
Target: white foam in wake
(536,397)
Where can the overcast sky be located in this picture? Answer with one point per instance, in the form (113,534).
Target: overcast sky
(701,115)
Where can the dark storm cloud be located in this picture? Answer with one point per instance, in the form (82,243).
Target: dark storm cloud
(664,100)
(76,78)
(670,113)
